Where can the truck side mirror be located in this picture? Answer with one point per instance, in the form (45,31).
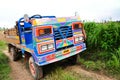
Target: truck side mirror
(26,18)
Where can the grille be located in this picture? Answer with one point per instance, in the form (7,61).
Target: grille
(58,49)
(63,32)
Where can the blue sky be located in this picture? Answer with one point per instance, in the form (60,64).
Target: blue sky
(98,10)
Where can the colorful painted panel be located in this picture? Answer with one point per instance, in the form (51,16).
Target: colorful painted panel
(64,42)
(47,21)
(23,39)
(46,38)
(61,54)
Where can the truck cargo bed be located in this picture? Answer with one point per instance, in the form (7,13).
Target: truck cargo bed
(11,36)
(12,39)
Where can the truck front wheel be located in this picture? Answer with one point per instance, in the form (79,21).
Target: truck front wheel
(35,70)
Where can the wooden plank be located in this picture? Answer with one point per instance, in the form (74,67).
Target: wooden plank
(12,39)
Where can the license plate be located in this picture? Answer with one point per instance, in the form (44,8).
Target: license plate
(67,51)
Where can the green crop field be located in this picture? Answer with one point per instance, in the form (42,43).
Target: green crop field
(103,48)
(4,64)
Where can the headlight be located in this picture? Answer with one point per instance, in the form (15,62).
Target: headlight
(76,39)
(44,47)
(80,38)
(47,47)
(50,46)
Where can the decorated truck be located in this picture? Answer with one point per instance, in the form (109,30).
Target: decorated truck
(42,40)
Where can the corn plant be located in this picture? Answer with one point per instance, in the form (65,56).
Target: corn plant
(102,36)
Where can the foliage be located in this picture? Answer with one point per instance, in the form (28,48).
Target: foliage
(61,71)
(114,62)
(103,36)
(2,45)
(4,65)
(98,65)
(103,47)
(60,74)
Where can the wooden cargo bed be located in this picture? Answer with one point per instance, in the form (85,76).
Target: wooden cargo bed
(11,36)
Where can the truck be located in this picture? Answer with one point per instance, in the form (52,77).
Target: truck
(42,40)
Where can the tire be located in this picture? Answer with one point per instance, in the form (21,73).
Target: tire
(13,54)
(8,48)
(36,71)
(73,60)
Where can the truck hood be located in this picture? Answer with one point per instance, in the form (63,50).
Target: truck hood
(50,21)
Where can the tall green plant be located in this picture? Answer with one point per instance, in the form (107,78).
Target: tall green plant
(114,62)
(103,46)
(92,31)
(103,36)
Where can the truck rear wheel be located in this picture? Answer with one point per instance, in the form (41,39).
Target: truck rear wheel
(13,54)
(35,70)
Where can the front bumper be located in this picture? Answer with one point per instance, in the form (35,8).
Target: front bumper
(60,55)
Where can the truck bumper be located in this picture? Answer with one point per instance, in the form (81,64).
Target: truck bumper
(60,55)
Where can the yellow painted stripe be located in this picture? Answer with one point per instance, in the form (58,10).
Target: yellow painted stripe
(61,19)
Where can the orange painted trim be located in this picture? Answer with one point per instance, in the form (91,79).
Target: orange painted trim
(70,38)
(76,23)
(37,31)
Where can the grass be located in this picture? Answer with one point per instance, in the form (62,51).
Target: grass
(2,45)
(4,64)
(61,73)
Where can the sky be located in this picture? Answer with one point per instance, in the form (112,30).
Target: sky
(90,10)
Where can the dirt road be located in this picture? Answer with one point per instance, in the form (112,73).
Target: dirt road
(91,75)
(20,72)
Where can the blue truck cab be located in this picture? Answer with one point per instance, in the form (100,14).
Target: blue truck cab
(48,39)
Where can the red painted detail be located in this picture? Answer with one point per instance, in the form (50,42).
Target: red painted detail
(32,68)
(38,48)
(64,41)
(50,57)
(58,41)
(78,48)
